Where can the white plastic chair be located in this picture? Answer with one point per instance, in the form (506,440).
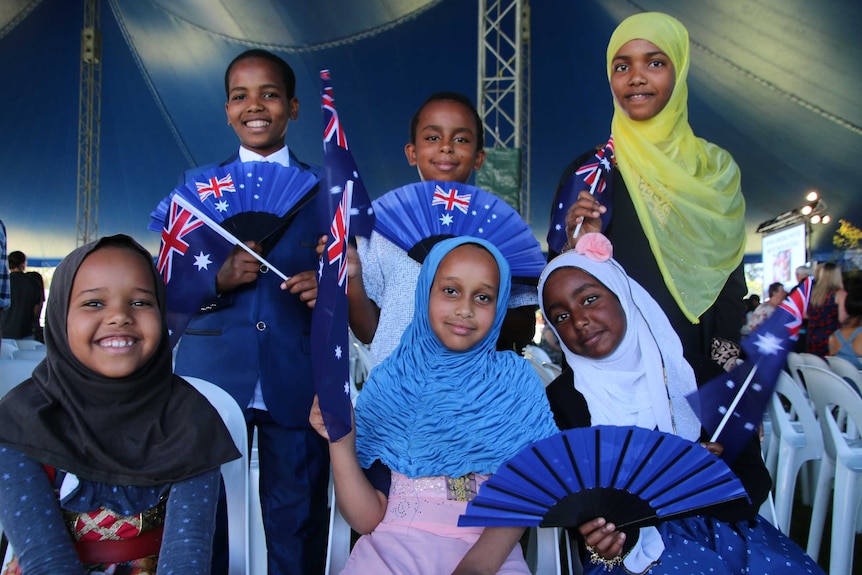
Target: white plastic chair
(829,393)
(797,439)
(29,344)
(846,370)
(14,371)
(542,556)
(7,346)
(257,534)
(234,473)
(538,357)
(35,353)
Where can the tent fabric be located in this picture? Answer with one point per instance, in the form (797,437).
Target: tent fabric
(772,81)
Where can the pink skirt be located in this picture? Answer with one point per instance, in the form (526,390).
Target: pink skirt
(419,533)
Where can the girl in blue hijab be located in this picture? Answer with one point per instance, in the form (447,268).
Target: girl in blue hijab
(434,419)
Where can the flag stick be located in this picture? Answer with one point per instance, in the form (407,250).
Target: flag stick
(225,234)
(733,404)
(592,193)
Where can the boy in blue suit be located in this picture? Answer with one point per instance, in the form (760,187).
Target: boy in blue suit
(252,334)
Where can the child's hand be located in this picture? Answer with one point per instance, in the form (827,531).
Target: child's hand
(587,210)
(715,448)
(315,418)
(601,538)
(239,268)
(354,266)
(304,284)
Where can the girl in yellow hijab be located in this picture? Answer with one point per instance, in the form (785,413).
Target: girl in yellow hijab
(670,202)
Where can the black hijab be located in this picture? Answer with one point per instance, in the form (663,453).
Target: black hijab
(149,428)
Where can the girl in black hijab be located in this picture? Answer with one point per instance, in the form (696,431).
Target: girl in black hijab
(108,461)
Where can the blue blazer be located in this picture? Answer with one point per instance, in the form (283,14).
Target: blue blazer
(259,331)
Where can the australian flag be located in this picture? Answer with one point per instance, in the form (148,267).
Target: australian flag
(594,176)
(339,167)
(190,256)
(732,406)
(329,336)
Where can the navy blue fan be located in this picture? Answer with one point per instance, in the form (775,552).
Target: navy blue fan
(251,200)
(412,215)
(629,475)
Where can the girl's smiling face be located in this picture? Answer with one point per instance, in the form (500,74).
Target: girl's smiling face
(463,300)
(642,79)
(114,324)
(586,314)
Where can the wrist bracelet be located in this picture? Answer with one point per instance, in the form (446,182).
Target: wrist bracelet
(607,564)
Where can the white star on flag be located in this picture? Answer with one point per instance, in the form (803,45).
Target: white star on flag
(335,190)
(202,261)
(221,206)
(768,343)
(729,383)
(346,388)
(338,352)
(446,219)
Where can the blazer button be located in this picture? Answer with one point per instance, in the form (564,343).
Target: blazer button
(261,325)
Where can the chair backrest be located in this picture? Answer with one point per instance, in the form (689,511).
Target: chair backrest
(35,353)
(14,371)
(846,370)
(7,346)
(234,473)
(828,389)
(29,344)
(799,410)
(542,363)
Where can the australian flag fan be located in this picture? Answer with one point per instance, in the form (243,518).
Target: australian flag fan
(251,200)
(731,406)
(411,215)
(631,476)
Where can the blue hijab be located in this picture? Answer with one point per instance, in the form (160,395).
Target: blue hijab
(427,410)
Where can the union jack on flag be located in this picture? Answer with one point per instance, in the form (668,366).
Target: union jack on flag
(743,393)
(593,176)
(337,250)
(333,125)
(215,187)
(180,223)
(598,168)
(450,199)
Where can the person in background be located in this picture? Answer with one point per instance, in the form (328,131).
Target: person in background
(846,342)
(17,320)
(826,308)
(776,293)
(5,288)
(751,303)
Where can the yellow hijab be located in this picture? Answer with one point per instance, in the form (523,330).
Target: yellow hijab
(685,190)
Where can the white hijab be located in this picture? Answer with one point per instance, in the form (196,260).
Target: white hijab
(645,380)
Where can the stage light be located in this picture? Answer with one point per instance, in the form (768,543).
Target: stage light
(815,219)
(806,210)
(812,196)
(826,219)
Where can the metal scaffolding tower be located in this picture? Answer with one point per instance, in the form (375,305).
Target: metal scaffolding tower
(504,86)
(89,127)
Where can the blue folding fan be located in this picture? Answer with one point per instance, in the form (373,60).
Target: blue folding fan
(629,475)
(251,200)
(415,213)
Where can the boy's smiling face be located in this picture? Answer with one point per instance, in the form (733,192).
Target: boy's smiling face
(258,107)
(446,143)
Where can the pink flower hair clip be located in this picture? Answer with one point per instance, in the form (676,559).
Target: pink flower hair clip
(595,246)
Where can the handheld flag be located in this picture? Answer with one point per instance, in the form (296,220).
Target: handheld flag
(731,406)
(189,232)
(339,167)
(329,335)
(593,176)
